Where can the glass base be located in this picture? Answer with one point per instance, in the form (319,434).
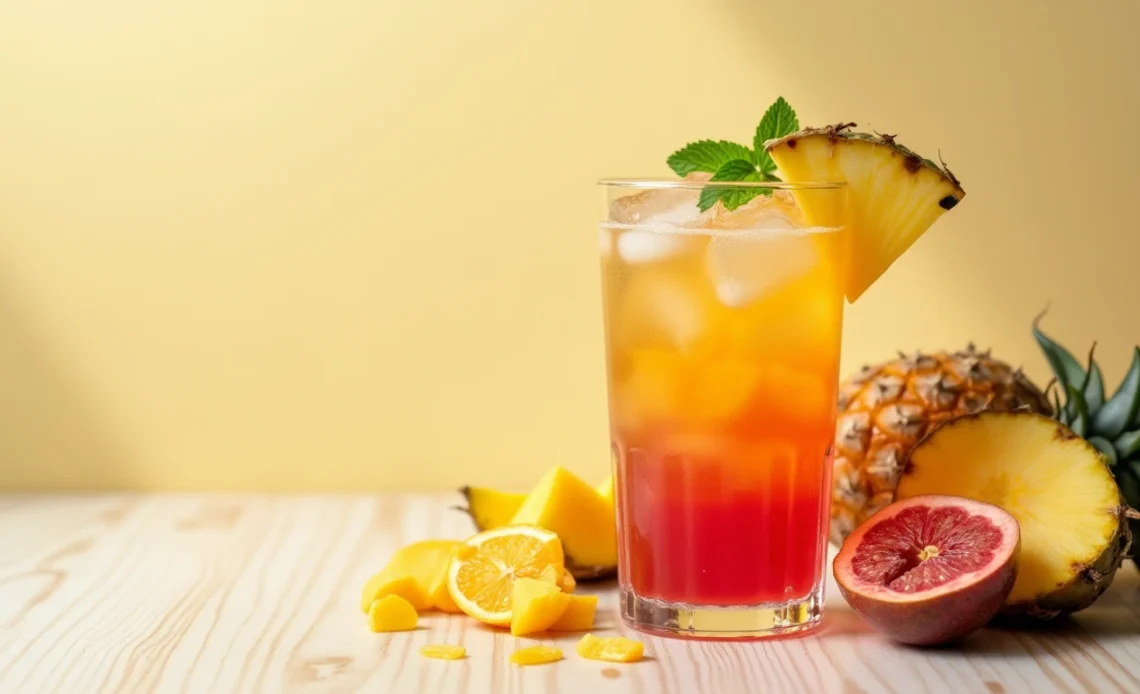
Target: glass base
(682,620)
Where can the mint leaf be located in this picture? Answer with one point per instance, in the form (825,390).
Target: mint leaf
(737,170)
(706,155)
(732,198)
(779,120)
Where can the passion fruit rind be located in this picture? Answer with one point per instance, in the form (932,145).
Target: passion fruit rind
(943,613)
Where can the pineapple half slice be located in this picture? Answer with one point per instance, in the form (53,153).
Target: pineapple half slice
(1073,529)
(893,195)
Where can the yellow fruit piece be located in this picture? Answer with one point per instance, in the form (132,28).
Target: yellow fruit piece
(1056,484)
(614,649)
(567,582)
(389,582)
(535,605)
(606,490)
(483,572)
(892,194)
(536,655)
(440,652)
(578,615)
(566,505)
(439,596)
(392,613)
(490,508)
(425,562)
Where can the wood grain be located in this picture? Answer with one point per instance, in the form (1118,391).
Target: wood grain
(216,594)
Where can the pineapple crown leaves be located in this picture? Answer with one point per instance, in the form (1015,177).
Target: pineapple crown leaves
(729,161)
(1111,425)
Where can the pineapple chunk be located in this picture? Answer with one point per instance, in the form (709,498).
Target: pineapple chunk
(568,506)
(893,195)
(1054,483)
(535,605)
(392,613)
(441,652)
(614,649)
(388,583)
(490,508)
(567,583)
(536,655)
(578,615)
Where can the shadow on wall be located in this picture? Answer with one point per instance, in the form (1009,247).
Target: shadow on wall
(45,420)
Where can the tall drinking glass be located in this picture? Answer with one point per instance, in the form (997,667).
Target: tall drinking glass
(722,344)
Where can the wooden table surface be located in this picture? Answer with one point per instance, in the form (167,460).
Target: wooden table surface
(219,594)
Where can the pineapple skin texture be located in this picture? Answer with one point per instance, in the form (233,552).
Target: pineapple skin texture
(885,410)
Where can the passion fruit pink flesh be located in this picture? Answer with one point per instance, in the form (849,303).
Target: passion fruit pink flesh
(930,569)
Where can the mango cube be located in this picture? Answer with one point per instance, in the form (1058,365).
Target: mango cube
(392,613)
(441,652)
(388,583)
(535,605)
(424,563)
(578,615)
(614,649)
(536,655)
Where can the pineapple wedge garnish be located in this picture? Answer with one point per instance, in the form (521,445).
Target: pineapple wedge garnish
(893,196)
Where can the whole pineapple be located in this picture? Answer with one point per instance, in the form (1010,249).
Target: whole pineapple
(1111,425)
(884,410)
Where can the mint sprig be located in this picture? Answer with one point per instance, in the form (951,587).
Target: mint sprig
(729,161)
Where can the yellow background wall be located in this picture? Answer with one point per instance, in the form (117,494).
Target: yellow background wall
(349,244)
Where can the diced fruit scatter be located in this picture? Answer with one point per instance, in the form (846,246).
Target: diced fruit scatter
(392,613)
(535,606)
(578,615)
(386,584)
(615,649)
(536,655)
(443,652)
(417,573)
(483,571)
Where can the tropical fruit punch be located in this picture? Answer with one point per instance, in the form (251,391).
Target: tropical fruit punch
(723,299)
(723,369)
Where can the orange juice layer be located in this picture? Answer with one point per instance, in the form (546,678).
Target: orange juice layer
(723,354)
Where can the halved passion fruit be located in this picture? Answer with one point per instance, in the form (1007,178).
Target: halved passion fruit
(930,569)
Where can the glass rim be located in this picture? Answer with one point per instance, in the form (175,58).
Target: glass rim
(686,184)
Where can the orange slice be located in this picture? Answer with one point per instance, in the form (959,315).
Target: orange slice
(482,574)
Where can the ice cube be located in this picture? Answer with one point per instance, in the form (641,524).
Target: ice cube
(775,212)
(746,265)
(662,311)
(671,207)
(640,246)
